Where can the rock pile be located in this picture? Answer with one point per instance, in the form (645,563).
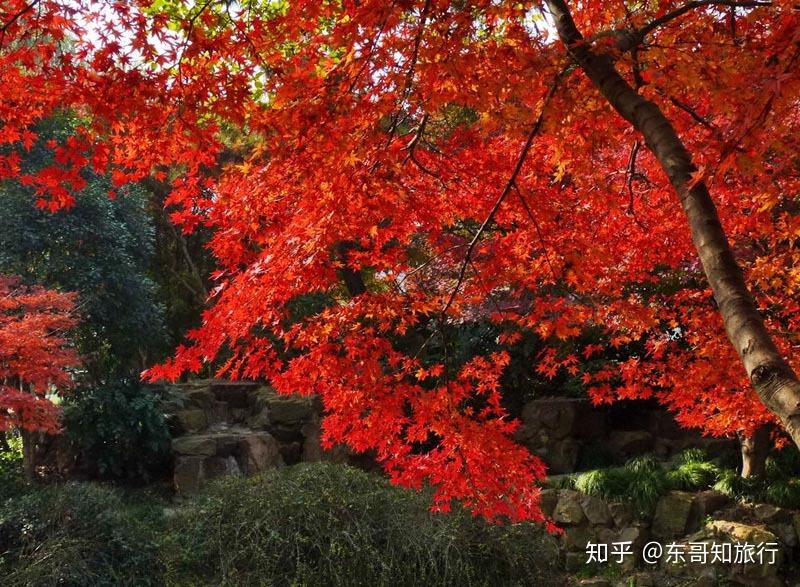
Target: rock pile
(683,523)
(233,428)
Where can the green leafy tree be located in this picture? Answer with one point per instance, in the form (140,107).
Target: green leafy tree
(102,249)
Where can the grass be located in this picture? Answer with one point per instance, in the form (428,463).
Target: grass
(644,480)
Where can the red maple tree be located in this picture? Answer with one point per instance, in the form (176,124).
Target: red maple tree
(34,354)
(419,161)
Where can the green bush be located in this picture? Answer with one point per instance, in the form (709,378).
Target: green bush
(605,483)
(641,481)
(11,477)
(78,535)
(325,524)
(119,431)
(694,476)
(691,455)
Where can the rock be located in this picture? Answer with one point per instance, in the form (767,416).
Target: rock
(576,538)
(796,523)
(590,422)
(739,532)
(288,410)
(705,503)
(770,514)
(202,399)
(196,445)
(259,420)
(548,499)
(218,466)
(562,455)
(568,509)
(635,535)
(188,474)
(596,511)
(227,444)
(312,447)
(672,514)
(291,452)
(760,573)
(622,513)
(786,534)
(628,443)
(735,513)
(553,414)
(606,535)
(237,394)
(218,412)
(706,579)
(193,420)
(259,451)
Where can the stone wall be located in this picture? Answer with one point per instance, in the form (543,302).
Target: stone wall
(231,427)
(571,434)
(680,518)
(243,427)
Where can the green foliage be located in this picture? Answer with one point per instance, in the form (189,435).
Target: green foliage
(641,481)
(779,486)
(694,476)
(784,493)
(647,483)
(606,483)
(782,464)
(730,483)
(101,249)
(11,476)
(691,455)
(119,430)
(78,535)
(328,524)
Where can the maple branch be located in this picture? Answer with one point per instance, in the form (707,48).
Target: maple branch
(630,176)
(25,9)
(770,374)
(539,233)
(693,113)
(629,39)
(506,190)
(412,65)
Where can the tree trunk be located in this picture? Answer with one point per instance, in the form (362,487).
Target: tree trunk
(353,280)
(754,452)
(29,442)
(771,376)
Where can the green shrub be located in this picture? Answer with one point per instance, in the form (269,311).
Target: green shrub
(748,490)
(77,535)
(11,476)
(784,493)
(783,464)
(119,431)
(694,476)
(691,455)
(605,483)
(642,481)
(326,524)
